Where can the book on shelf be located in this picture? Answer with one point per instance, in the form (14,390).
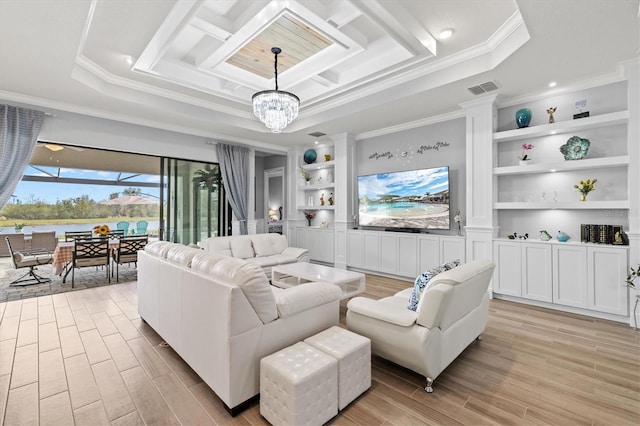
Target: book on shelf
(602,234)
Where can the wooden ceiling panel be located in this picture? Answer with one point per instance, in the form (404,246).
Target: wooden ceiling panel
(297,40)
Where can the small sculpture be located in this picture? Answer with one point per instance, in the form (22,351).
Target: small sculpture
(327,157)
(562,237)
(331,199)
(550,111)
(544,235)
(322,199)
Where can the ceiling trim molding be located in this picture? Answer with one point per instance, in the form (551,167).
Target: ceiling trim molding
(411,125)
(602,80)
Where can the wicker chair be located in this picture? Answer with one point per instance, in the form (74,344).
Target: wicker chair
(29,259)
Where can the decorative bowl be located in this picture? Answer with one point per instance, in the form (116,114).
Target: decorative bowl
(576,148)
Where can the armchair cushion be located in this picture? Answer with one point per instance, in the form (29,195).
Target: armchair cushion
(268,246)
(241,248)
(422,282)
(383,310)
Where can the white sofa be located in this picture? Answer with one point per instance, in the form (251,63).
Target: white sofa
(451,314)
(265,250)
(221,315)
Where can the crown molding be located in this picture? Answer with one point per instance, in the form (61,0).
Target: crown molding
(411,125)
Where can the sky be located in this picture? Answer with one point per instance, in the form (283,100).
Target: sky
(412,182)
(52,192)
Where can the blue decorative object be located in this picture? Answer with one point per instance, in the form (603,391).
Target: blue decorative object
(310,156)
(523,117)
(575,148)
(562,237)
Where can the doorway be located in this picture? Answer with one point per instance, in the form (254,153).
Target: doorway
(274,204)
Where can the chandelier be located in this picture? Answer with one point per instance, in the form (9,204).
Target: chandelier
(275,108)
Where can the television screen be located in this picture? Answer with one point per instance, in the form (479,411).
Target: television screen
(412,200)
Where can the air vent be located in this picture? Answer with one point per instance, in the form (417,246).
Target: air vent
(317,134)
(483,88)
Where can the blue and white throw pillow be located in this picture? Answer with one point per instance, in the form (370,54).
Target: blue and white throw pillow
(422,282)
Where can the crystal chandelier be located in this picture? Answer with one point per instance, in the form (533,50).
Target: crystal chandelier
(275,108)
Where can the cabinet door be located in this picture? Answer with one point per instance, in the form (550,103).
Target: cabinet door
(570,275)
(301,239)
(428,253)
(388,253)
(355,247)
(324,245)
(606,280)
(507,277)
(451,249)
(407,256)
(371,251)
(537,281)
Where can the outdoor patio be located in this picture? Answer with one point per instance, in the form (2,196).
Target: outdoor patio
(84,278)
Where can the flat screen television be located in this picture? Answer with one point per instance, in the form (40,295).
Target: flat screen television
(413,200)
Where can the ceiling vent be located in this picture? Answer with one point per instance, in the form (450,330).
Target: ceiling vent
(483,88)
(317,134)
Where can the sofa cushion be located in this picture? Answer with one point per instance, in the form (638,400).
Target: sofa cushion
(182,254)
(253,283)
(241,248)
(204,262)
(159,248)
(422,282)
(264,245)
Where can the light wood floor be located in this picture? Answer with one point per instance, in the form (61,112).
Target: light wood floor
(86,358)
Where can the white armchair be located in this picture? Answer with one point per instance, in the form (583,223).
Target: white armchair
(451,314)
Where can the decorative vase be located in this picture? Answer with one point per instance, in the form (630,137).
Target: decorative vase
(583,196)
(307,182)
(562,237)
(310,156)
(524,162)
(523,117)
(308,222)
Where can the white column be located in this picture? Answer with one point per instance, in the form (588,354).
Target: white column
(480,218)
(344,154)
(632,72)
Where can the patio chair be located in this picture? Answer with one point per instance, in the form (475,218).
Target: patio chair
(17,242)
(29,259)
(44,240)
(91,252)
(124,226)
(127,252)
(117,233)
(75,235)
(141,227)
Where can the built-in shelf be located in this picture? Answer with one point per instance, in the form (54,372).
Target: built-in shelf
(571,242)
(316,207)
(317,186)
(589,163)
(318,166)
(566,205)
(610,119)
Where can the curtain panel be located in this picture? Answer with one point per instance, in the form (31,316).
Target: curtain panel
(19,130)
(234,166)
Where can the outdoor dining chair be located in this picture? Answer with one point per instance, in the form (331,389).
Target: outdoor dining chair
(123,226)
(127,252)
(29,259)
(44,240)
(141,227)
(74,235)
(117,233)
(91,252)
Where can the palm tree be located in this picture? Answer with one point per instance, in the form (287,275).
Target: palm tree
(210,179)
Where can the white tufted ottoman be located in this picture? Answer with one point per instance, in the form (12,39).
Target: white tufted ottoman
(353,353)
(298,386)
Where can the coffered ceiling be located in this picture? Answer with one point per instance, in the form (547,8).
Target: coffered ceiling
(358,66)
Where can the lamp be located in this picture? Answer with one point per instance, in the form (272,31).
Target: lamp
(272,214)
(275,108)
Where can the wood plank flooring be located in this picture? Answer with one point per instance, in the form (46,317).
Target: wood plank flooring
(87,358)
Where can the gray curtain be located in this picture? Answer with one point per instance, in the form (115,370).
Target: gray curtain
(19,130)
(234,166)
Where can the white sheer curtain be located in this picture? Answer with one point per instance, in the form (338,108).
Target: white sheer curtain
(19,130)
(234,168)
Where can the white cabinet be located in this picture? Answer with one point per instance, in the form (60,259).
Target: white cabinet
(570,275)
(401,254)
(318,241)
(606,275)
(589,277)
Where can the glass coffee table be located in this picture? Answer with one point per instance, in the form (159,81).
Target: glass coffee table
(351,283)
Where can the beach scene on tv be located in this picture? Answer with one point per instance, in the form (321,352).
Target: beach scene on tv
(414,199)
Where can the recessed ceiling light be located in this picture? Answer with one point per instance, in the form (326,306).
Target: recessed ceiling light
(446,33)
(316,142)
(552,84)
(128,59)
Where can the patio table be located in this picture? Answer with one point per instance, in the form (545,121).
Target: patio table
(63,254)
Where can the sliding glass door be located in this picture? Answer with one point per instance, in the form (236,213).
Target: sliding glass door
(194,204)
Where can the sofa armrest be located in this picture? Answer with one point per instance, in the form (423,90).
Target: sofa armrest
(299,253)
(382,311)
(302,297)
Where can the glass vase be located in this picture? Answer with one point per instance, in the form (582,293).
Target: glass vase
(583,196)
(308,222)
